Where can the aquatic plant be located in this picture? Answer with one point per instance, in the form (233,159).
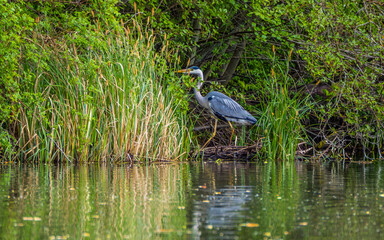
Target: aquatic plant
(104,101)
(281,112)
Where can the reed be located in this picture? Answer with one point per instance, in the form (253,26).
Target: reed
(280,114)
(105,102)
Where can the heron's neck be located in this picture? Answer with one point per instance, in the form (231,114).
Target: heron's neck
(200,99)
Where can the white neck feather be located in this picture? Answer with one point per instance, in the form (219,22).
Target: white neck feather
(200,99)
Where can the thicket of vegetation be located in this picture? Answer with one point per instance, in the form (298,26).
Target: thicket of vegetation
(310,70)
(83,85)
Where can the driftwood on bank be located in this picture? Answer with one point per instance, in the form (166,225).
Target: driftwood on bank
(231,152)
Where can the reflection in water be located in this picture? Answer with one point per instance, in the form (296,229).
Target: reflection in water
(97,201)
(221,212)
(222,200)
(192,201)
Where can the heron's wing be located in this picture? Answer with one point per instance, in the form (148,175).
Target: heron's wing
(228,109)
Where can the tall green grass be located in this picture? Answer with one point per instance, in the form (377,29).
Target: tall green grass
(105,102)
(279,124)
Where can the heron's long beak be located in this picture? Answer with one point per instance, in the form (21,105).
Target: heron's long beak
(183,71)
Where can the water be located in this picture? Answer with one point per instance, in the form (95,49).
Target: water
(192,201)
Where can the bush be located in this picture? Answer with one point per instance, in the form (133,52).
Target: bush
(91,89)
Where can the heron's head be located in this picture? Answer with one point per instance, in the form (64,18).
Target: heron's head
(191,71)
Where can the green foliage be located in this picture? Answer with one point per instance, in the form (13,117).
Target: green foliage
(337,43)
(281,113)
(91,88)
(340,44)
(15,25)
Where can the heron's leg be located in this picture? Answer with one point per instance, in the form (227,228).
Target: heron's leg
(233,130)
(213,134)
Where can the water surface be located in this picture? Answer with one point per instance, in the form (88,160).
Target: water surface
(192,201)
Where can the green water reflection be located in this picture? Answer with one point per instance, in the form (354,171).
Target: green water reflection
(192,201)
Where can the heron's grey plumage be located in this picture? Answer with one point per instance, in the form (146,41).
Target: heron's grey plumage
(227,109)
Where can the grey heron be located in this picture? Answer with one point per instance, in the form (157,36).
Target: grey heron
(219,105)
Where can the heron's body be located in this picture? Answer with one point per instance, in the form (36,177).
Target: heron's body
(219,104)
(225,108)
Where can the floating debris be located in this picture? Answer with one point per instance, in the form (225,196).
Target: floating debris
(165,230)
(249,225)
(59,237)
(31,219)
